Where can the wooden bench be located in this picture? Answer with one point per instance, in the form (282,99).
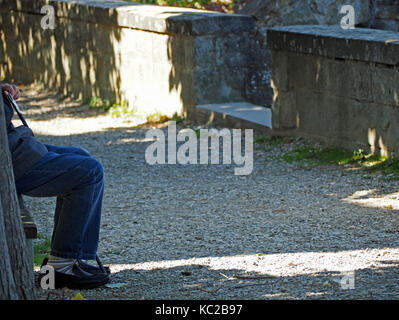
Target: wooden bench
(29,228)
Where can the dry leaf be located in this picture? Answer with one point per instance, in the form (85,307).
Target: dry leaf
(78,297)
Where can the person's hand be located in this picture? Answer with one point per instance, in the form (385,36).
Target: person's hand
(12,89)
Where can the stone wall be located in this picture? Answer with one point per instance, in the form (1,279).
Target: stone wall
(386,15)
(158,59)
(126,51)
(272,13)
(338,86)
(379,14)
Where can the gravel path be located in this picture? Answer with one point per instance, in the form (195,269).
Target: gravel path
(200,232)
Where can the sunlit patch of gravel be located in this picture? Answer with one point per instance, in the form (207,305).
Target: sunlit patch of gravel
(201,232)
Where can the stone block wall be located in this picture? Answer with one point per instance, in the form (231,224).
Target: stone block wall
(338,86)
(386,15)
(159,59)
(377,14)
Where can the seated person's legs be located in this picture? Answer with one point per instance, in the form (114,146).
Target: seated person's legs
(76,179)
(77,182)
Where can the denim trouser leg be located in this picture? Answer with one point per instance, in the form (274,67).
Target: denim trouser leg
(59,203)
(76,179)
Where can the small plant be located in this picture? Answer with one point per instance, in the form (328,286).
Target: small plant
(383,164)
(261,139)
(177,118)
(115,109)
(97,102)
(158,117)
(41,249)
(276,141)
(309,156)
(122,109)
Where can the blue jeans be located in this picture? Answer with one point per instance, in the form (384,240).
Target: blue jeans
(77,180)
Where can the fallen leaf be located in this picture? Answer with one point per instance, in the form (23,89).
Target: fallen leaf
(78,297)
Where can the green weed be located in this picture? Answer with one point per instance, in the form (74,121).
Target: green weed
(261,139)
(97,102)
(41,249)
(158,117)
(122,110)
(310,156)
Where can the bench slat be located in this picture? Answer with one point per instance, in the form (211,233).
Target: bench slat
(27,221)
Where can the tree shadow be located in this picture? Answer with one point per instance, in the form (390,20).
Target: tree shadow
(203,282)
(83,59)
(157,258)
(46,105)
(215,67)
(80,53)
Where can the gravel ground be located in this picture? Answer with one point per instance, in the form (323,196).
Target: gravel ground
(201,232)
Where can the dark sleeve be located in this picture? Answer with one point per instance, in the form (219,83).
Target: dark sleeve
(9,112)
(25,149)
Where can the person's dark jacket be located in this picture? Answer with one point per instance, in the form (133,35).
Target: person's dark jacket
(26,151)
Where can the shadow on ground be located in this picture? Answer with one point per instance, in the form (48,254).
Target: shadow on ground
(200,232)
(199,282)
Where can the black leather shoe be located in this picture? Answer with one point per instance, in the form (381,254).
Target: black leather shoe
(80,279)
(88,267)
(93,269)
